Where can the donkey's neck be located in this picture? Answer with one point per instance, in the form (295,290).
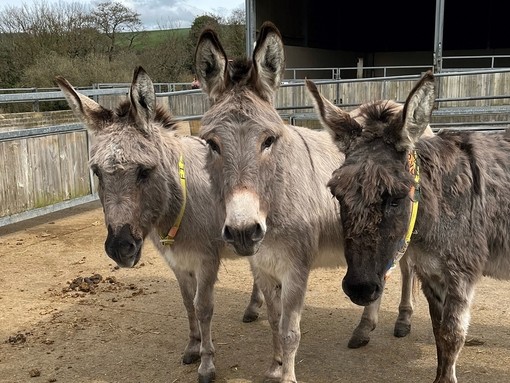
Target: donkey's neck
(450,175)
(172,152)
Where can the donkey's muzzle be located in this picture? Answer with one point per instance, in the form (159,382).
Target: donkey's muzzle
(246,240)
(122,247)
(362,292)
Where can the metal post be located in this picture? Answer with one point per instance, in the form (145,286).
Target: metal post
(250,26)
(438,36)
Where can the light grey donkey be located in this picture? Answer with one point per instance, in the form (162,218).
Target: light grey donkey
(270,180)
(152,183)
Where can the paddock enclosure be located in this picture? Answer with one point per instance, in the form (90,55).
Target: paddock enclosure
(67,314)
(131,326)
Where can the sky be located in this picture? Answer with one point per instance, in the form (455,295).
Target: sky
(158,14)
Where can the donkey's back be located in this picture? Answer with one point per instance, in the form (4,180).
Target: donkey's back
(470,206)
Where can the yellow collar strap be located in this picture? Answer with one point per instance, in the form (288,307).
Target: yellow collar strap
(168,240)
(414,196)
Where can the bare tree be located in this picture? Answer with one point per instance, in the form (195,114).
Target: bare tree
(113,17)
(30,31)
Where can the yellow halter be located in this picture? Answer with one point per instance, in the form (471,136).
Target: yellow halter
(414,195)
(168,240)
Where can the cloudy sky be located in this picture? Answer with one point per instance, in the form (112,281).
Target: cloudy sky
(158,14)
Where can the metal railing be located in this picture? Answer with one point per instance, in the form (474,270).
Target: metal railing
(452,62)
(350,73)
(298,74)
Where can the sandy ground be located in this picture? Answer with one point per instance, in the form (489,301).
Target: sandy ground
(131,326)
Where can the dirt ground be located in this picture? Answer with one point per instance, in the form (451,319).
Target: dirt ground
(129,325)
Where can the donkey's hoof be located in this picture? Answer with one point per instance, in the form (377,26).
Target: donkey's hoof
(206,378)
(401,330)
(190,357)
(358,341)
(251,316)
(274,373)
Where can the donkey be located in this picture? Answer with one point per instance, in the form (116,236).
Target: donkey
(152,182)
(270,180)
(448,195)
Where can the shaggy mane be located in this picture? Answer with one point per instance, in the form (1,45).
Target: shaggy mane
(381,118)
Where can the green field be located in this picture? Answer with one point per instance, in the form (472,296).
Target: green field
(152,38)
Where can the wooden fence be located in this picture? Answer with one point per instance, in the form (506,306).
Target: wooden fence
(47,167)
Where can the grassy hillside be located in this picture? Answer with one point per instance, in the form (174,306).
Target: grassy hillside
(153,38)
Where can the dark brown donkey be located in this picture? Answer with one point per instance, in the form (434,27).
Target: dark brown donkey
(455,187)
(151,184)
(270,180)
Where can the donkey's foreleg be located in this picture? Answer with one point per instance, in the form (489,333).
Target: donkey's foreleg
(361,334)
(454,326)
(252,311)
(271,289)
(187,284)
(293,297)
(204,307)
(435,298)
(405,309)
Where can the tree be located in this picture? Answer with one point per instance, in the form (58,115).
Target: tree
(199,24)
(170,60)
(233,33)
(111,18)
(28,32)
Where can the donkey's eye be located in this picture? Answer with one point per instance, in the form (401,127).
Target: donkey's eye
(268,142)
(214,146)
(144,173)
(395,201)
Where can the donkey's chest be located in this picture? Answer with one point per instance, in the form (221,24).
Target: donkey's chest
(278,260)
(427,263)
(185,256)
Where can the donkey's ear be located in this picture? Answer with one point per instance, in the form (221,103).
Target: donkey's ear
(269,60)
(417,111)
(87,110)
(143,99)
(211,64)
(339,123)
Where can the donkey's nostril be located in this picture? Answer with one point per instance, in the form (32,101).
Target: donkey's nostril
(362,293)
(126,248)
(228,234)
(256,233)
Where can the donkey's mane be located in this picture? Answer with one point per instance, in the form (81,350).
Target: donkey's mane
(239,70)
(383,111)
(380,119)
(362,181)
(239,107)
(162,116)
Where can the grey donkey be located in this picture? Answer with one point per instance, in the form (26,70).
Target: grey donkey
(271,179)
(449,193)
(152,183)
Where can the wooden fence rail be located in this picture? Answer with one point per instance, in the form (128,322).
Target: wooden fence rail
(46,167)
